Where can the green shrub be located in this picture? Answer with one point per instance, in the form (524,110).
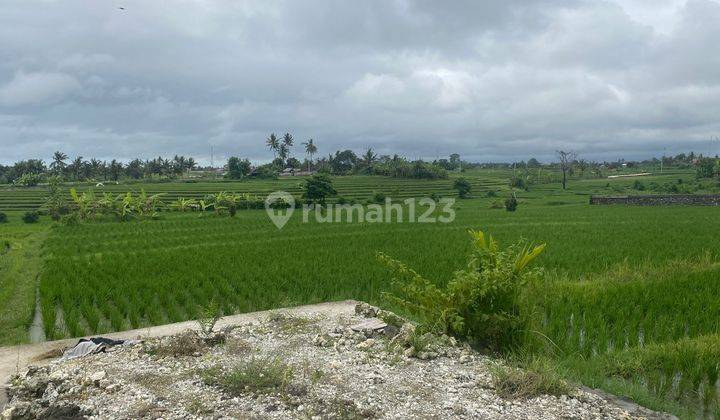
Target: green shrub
(31,217)
(491,194)
(3,217)
(519,183)
(378,197)
(480,303)
(463,187)
(317,189)
(71,219)
(29,180)
(511,203)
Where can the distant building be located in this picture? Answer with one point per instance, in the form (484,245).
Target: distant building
(296,172)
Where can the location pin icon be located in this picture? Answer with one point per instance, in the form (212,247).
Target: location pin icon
(279,207)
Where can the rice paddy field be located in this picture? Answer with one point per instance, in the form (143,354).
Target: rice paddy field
(629,304)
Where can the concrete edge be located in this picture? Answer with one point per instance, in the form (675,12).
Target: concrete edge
(14,359)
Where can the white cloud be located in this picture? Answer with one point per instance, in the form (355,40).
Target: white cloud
(37,88)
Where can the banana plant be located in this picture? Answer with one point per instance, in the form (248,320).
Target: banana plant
(222,200)
(148,205)
(184,204)
(108,203)
(84,202)
(127,206)
(204,206)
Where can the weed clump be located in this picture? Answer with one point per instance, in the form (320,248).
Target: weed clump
(31,217)
(187,343)
(255,375)
(536,378)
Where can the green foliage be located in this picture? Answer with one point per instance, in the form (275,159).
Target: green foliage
(184,204)
(511,203)
(31,217)
(378,197)
(71,219)
(519,183)
(210,315)
(237,169)
(29,180)
(463,187)
(55,204)
(3,217)
(707,168)
(481,303)
(318,188)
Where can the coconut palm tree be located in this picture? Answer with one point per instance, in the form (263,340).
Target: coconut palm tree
(283,152)
(58,164)
(273,144)
(310,149)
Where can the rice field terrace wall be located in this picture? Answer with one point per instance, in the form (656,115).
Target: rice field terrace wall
(659,200)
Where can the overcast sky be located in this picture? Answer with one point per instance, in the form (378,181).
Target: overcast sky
(491,80)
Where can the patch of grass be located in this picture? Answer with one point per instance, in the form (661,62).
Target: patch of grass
(287,322)
(255,375)
(343,408)
(531,379)
(20,265)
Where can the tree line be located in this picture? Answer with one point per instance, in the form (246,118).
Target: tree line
(33,171)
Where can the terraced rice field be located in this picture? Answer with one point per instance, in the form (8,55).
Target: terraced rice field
(351,187)
(629,303)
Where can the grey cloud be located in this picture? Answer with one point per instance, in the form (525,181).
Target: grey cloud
(490,80)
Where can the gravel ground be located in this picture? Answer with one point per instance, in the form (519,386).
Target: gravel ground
(315,367)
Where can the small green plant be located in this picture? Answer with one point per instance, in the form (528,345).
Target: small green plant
(254,375)
(210,315)
(31,217)
(3,217)
(480,303)
(534,378)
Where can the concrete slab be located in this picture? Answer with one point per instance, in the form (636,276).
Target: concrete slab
(16,359)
